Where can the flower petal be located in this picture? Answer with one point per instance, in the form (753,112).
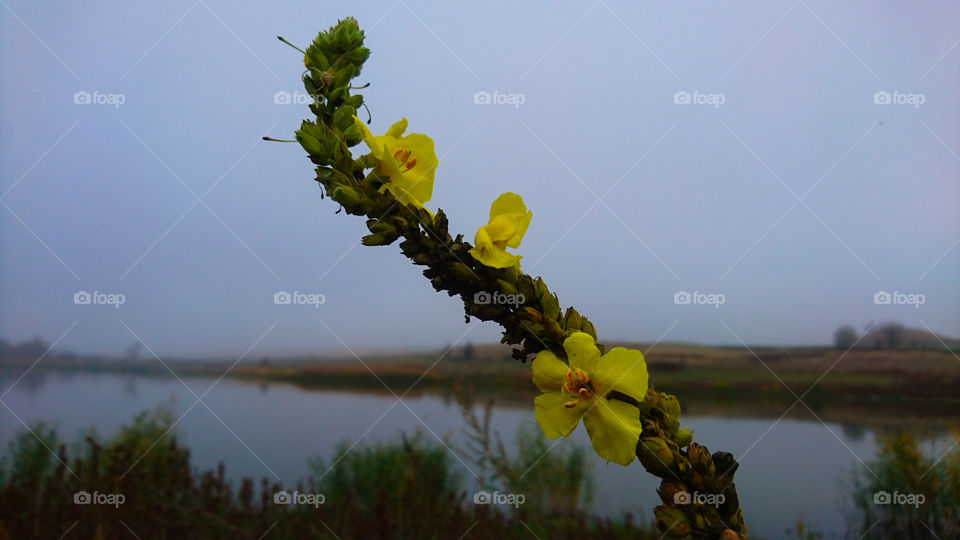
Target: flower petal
(582,351)
(482,240)
(419,184)
(495,258)
(554,417)
(507,203)
(614,428)
(501,228)
(421,146)
(511,205)
(623,370)
(549,372)
(397,129)
(522,223)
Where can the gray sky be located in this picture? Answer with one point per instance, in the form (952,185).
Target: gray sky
(699,197)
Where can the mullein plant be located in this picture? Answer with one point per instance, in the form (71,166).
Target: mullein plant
(609,390)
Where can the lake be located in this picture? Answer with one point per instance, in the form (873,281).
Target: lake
(792,466)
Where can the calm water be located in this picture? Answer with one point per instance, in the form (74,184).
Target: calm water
(789,470)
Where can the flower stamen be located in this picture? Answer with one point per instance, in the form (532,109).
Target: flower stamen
(402,155)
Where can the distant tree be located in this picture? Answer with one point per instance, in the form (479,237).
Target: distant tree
(33,349)
(892,335)
(845,336)
(468,352)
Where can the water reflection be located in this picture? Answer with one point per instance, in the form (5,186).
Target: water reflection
(261,428)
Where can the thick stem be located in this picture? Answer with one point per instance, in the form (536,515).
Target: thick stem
(698,493)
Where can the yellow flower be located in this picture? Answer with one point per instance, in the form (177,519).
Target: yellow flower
(509,219)
(580,389)
(409,162)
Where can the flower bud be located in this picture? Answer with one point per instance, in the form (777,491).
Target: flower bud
(346,195)
(463,272)
(729,534)
(506,287)
(587,327)
(572,320)
(375,239)
(700,458)
(669,405)
(551,306)
(669,491)
(683,437)
(540,288)
(654,454)
(672,521)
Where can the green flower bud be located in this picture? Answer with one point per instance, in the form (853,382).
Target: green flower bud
(346,196)
(506,287)
(312,145)
(352,135)
(683,437)
(375,239)
(672,521)
(343,117)
(540,288)
(572,321)
(587,327)
(377,226)
(669,405)
(531,315)
(551,306)
(463,272)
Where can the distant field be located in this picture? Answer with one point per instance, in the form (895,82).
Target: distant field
(817,373)
(820,373)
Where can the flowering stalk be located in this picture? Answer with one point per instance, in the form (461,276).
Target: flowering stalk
(390,185)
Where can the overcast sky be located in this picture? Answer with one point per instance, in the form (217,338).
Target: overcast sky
(783,186)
